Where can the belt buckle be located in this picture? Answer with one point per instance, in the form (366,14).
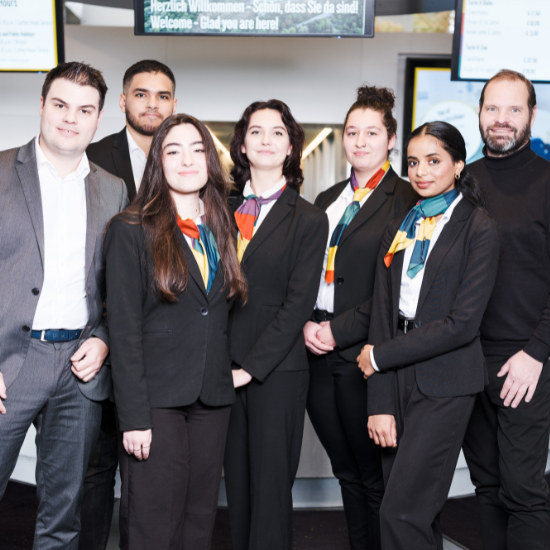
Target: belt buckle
(42,334)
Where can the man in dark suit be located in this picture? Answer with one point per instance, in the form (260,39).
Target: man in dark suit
(54,207)
(147,98)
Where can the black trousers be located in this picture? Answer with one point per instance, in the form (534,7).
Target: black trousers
(506,450)
(169,501)
(419,472)
(337,407)
(261,460)
(99,484)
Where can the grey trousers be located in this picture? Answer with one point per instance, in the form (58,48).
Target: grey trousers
(46,393)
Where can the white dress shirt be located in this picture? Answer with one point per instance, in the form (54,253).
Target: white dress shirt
(62,303)
(409,292)
(325,297)
(198,221)
(137,158)
(265,208)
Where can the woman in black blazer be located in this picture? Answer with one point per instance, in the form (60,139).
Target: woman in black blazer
(171,275)
(279,246)
(337,397)
(424,362)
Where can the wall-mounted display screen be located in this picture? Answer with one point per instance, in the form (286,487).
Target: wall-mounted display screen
(31,35)
(341,18)
(491,35)
(431,95)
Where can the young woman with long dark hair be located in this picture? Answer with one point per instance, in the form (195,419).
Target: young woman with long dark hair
(424,361)
(359,210)
(280,246)
(172,274)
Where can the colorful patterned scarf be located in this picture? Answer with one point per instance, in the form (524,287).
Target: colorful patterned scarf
(246,217)
(350,213)
(427,209)
(204,248)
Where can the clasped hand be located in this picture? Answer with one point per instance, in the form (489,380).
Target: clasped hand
(319,338)
(363,359)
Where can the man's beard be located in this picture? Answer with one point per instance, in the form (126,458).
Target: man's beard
(505,146)
(143,129)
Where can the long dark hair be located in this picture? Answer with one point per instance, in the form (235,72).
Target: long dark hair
(292,170)
(155,209)
(452,141)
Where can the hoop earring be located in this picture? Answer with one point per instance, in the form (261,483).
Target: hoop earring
(457,176)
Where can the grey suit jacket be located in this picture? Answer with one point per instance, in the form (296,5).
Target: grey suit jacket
(22,258)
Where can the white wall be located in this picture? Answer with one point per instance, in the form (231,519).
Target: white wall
(217,78)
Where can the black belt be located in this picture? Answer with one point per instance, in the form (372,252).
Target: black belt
(405,325)
(61,335)
(320,315)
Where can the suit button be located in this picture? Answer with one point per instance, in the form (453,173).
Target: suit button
(204,311)
(26,328)
(340,280)
(35,291)
(417,324)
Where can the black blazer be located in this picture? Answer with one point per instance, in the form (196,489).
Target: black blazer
(281,264)
(444,347)
(355,262)
(112,153)
(162,354)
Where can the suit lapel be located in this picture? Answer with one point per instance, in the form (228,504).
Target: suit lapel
(396,270)
(332,194)
(374,202)
(448,236)
(123,162)
(91,184)
(192,266)
(281,209)
(27,172)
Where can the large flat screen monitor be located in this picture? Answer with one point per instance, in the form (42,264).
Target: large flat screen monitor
(339,18)
(491,35)
(31,35)
(430,95)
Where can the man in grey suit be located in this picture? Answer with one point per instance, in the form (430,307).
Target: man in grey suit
(54,206)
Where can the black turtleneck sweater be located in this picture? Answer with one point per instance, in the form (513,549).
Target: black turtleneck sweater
(517,190)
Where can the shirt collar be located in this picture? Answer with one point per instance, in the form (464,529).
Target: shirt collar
(82,170)
(448,213)
(271,191)
(132,145)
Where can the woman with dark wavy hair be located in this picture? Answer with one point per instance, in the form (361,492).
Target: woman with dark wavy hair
(172,274)
(280,247)
(424,363)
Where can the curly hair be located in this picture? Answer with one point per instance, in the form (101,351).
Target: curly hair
(381,100)
(292,170)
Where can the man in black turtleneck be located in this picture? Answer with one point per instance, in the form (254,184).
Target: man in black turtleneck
(506,445)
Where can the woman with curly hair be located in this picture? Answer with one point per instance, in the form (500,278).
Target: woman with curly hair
(280,247)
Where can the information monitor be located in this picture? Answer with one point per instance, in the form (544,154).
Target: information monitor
(339,18)
(31,35)
(491,35)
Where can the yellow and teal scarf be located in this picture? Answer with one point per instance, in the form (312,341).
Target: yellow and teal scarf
(427,209)
(351,211)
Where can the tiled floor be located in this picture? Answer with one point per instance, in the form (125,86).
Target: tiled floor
(113,538)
